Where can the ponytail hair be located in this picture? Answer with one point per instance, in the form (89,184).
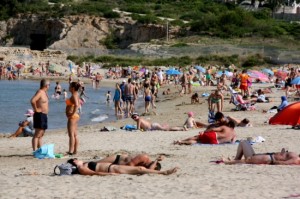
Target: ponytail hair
(75,85)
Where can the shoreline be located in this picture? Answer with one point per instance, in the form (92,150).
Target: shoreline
(26,177)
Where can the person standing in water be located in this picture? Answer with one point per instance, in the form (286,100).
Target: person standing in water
(40,105)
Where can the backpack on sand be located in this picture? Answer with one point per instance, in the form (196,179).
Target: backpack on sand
(65,169)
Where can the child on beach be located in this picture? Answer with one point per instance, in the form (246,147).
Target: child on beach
(195,98)
(108,97)
(190,121)
(65,93)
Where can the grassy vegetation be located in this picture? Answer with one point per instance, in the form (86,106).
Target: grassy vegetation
(249,61)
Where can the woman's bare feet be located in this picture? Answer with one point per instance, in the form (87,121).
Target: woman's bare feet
(177,142)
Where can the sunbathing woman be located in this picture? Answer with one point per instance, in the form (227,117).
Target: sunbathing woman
(281,158)
(102,169)
(138,160)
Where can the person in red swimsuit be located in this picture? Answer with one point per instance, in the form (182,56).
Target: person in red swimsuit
(214,135)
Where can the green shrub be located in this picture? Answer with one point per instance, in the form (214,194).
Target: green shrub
(254,60)
(178,45)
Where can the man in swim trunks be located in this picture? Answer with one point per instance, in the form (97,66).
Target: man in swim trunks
(145,125)
(40,105)
(216,135)
(130,95)
(250,157)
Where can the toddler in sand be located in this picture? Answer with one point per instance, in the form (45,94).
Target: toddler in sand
(190,121)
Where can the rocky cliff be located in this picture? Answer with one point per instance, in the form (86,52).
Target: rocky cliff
(75,32)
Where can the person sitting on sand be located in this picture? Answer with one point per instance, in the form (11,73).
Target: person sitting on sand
(283,104)
(144,125)
(195,98)
(250,157)
(167,92)
(216,135)
(25,127)
(138,160)
(190,121)
(103,169)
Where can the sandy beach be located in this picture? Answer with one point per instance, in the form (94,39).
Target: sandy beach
(23,176)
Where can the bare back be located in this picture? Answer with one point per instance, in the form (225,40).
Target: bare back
(225,134)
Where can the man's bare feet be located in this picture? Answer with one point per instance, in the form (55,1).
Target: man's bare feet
(171,171)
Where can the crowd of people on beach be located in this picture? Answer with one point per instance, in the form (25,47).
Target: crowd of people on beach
(146,85)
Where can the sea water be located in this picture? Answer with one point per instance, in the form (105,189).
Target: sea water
(15,99)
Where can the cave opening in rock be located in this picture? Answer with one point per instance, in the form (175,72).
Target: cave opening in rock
(38,41)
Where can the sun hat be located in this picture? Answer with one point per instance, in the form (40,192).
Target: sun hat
(190,114)
(124,81)
(29,112)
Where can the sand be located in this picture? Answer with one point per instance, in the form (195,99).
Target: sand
(23,176)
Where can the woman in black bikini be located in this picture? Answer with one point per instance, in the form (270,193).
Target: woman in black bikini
(102,169)
(138,160)
(250,157)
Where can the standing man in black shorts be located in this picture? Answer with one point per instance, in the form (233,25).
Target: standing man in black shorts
(40,105)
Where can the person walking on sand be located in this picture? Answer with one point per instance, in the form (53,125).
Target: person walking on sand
(40,105)
(147,97)
(72,105)
(117,100)
(129,97)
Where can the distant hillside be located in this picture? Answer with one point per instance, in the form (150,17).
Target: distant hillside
(205,17)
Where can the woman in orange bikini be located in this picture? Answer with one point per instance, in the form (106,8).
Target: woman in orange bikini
(72,105)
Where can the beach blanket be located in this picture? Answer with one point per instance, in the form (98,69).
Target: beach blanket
(252,141)
(227,143)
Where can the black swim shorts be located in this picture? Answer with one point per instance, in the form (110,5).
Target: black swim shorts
(40,120)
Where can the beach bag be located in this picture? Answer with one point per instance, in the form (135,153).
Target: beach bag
(46,151)
(65,169)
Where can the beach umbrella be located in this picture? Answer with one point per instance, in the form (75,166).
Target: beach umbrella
(267,71)
(19,66)
(227,73)
(142,70)
(281,74)
(203,70)
(290,115)
(258,75)
(296,81)
(172,72)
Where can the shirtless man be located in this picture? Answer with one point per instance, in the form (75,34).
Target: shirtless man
(250,157)
(145,125)
(40,105)
(98,79)
(130,95)
(214,135)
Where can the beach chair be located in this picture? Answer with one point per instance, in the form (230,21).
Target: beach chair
(237,100)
